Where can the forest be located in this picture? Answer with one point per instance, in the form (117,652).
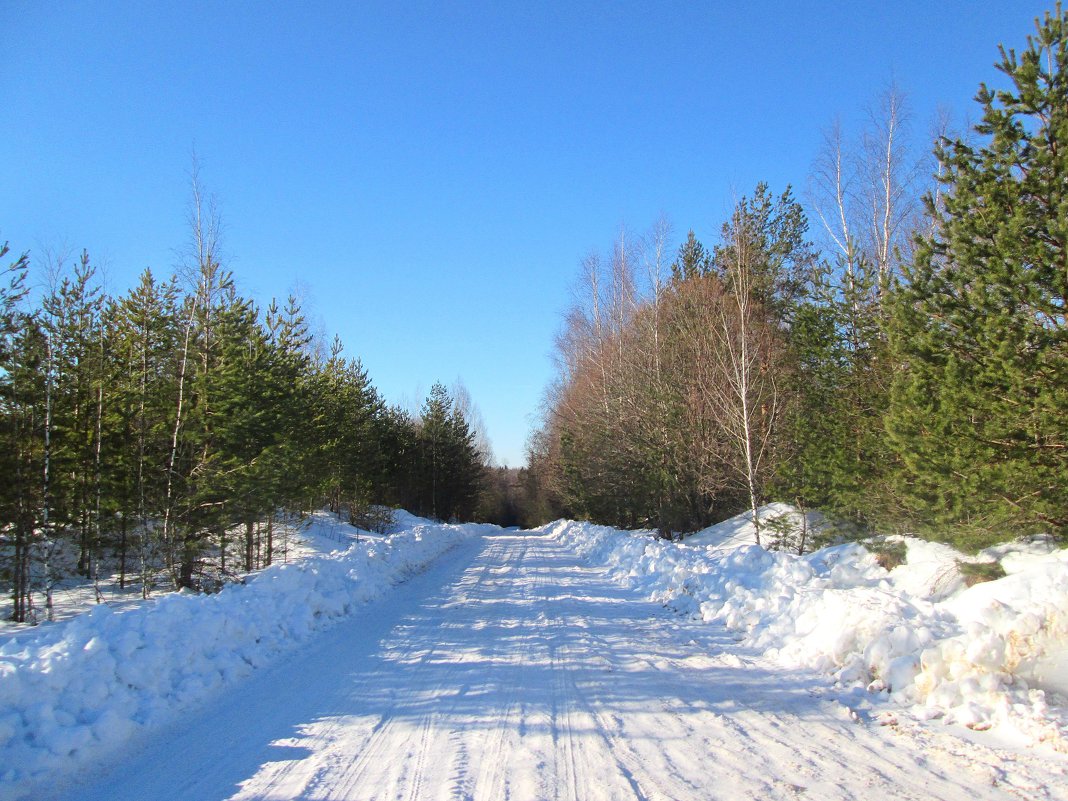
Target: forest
(892,350)
(180,422)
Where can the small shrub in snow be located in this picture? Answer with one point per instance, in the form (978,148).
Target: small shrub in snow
(978,572)
(890,553)
(379,519)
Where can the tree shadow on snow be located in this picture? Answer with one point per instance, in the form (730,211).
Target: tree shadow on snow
(555,646)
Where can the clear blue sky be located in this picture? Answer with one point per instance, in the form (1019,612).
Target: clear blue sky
(433,173)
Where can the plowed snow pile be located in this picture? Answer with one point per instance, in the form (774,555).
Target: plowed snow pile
(72,691)
(916,636)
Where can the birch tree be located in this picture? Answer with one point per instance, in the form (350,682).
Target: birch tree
(741,389)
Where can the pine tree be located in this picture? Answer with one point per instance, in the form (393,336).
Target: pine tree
(75,386)
(467,468)
(450,467)
(288,467)
(146,333)
(396,433)
(835,452)
(434,450)
(21,348)
(979,330)
(693,260)
(245,418)
(772,231)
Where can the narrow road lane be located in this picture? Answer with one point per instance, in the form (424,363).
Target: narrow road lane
(511,670)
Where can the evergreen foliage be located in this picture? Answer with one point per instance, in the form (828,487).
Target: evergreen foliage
(835,456)
(933,403)
(168,431)
(979,399)
(771,234)
(168,426)
(450,467)
(692,261)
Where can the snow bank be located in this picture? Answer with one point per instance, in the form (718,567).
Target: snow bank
(71,691)
(739,530)
(979,657)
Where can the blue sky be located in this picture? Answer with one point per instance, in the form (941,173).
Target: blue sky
(432,173)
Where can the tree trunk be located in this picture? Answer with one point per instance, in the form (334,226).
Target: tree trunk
(168,524)
(122,552)
(804,526)
(249,545)
(20,590)
(96,539)
(270,540)
(190,551)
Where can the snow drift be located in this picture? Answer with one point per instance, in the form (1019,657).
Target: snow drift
(72,691)
(977,656)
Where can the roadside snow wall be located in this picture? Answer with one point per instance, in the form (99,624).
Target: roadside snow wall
(72,691)
(961,658)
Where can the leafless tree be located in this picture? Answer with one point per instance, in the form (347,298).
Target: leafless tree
(204,270)
(465,405)
(889,174)
(867,195)
(734,350)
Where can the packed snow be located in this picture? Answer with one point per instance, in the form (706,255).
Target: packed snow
(73,691)
(512,667)
(985,656)
(556,664)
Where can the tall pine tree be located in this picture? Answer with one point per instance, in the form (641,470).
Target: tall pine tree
(979,404)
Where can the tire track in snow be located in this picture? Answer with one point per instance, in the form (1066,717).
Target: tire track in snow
(750,739)
(577,714)
(520,673)
(377,764)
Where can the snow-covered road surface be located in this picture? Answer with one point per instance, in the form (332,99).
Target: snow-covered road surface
(511,669)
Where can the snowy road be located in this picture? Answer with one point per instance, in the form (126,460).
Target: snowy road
(512,670)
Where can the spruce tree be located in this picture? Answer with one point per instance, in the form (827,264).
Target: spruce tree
(979,403)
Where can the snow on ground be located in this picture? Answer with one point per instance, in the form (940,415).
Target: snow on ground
(513,668)
(990,655)
(739,530)
(73,691)
(295,539)
(554,665)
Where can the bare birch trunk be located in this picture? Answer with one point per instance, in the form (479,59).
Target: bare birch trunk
(168,506)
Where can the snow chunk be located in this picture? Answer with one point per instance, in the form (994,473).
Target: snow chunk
(995,654)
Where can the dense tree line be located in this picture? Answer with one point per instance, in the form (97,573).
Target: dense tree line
(910,375)
(179,421)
